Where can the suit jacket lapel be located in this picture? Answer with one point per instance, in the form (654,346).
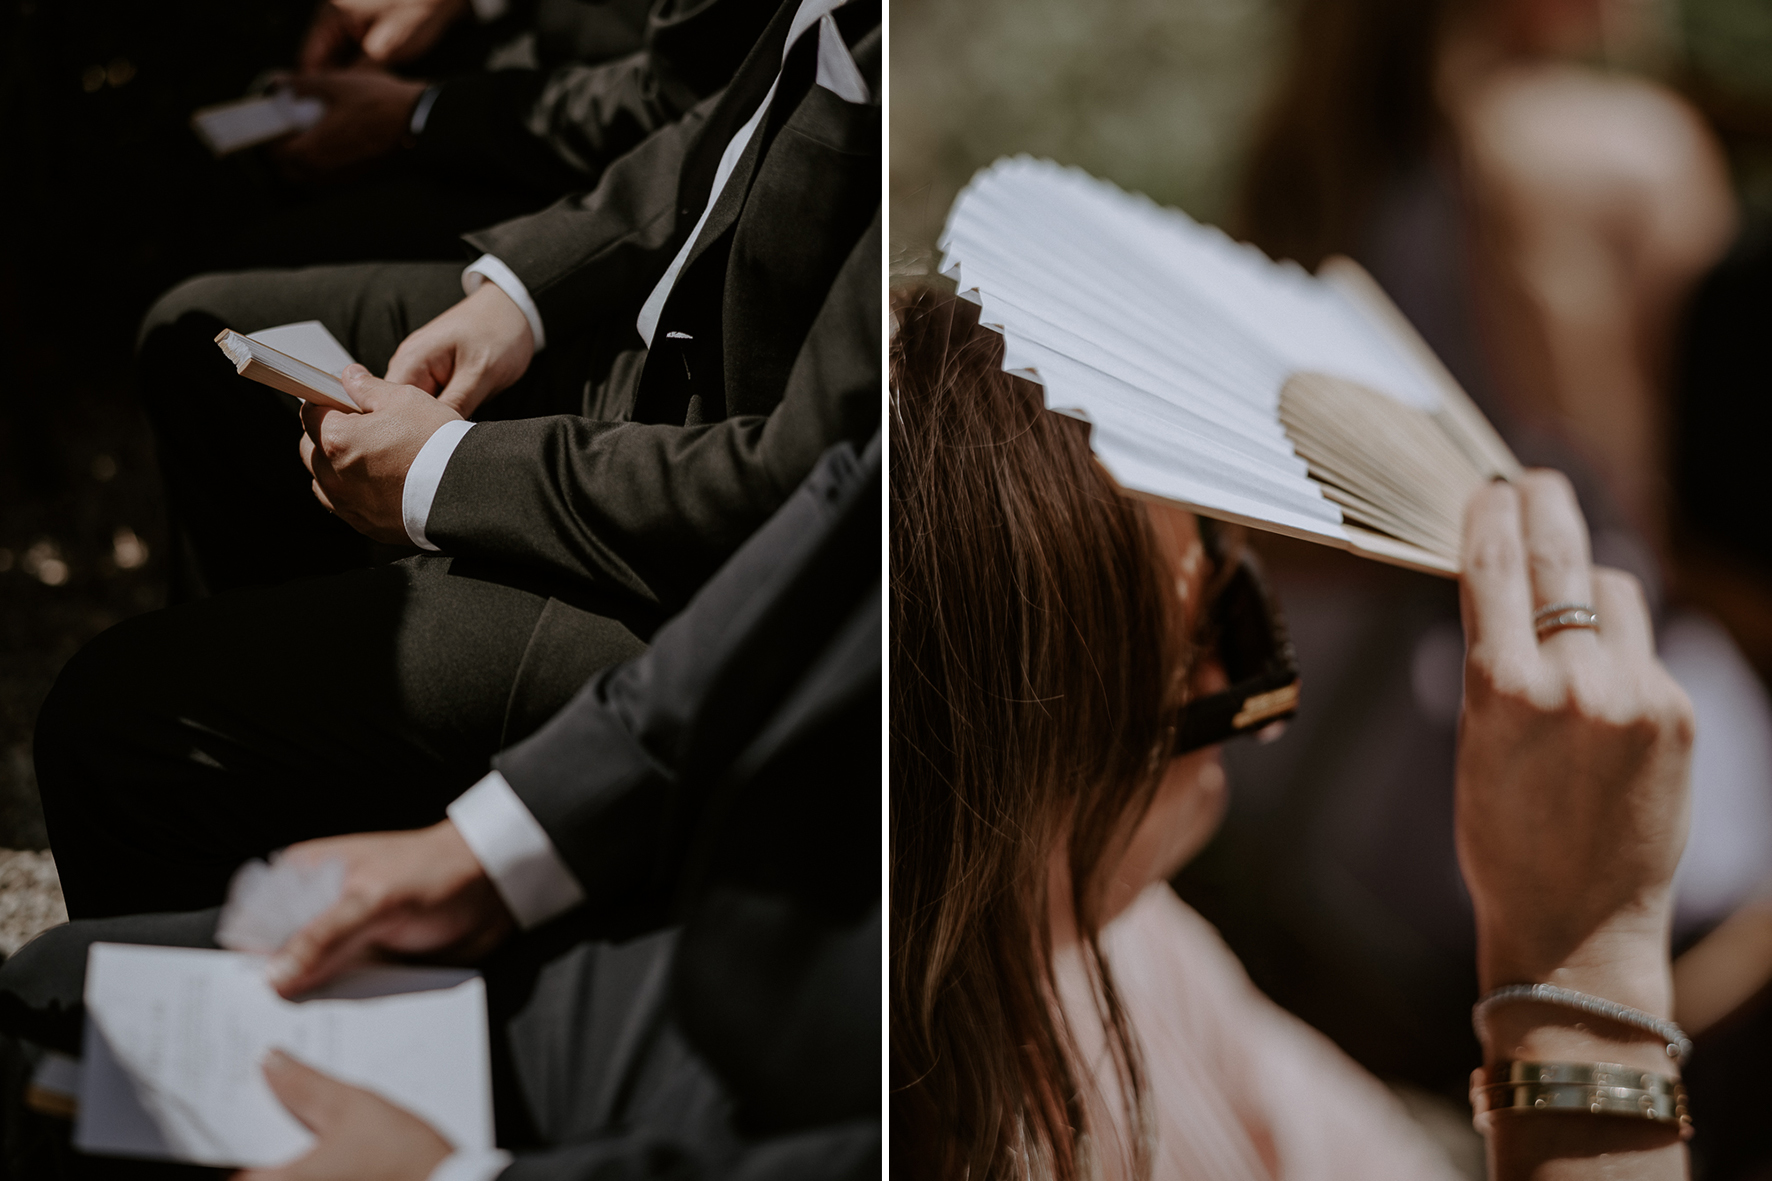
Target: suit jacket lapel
(730,203)
(747,88)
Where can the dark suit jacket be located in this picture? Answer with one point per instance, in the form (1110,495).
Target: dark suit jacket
(777,321)
(726,782)
(610,75)
(729,780)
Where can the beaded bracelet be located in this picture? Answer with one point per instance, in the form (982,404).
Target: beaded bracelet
(1677,1043)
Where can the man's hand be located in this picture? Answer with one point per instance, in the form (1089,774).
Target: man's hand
(359,461)
(407,893)
(387,30)
(362,1137)
(477,348)
(368,115)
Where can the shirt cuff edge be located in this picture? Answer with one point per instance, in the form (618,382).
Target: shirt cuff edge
(491,267)
(425,476)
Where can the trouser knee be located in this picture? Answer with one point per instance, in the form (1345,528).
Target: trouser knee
(78,729)
(200,296)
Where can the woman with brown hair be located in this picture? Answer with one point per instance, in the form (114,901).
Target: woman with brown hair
(1056,1011)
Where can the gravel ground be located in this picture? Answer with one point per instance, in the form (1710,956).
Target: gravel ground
(30,897)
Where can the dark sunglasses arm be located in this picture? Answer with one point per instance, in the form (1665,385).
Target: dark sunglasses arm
(1249,633)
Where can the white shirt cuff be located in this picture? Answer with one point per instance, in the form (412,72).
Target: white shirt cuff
(421,110)
(514,850)
(505,279)
(481,1164)
(490,10)
(423,477)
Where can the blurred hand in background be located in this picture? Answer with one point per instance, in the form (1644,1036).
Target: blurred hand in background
(385,31)
(368,116)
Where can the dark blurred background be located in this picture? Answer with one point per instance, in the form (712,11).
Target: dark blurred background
(105,188)
(108,199)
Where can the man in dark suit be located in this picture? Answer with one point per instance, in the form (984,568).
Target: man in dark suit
(398,166)
(178,744)
(692,846)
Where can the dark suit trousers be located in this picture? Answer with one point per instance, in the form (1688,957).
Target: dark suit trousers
(178,744)
(589,1070)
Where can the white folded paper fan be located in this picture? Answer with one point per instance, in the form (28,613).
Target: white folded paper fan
(1214,378)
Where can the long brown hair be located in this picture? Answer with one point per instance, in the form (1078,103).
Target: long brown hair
(1357,105)
(1034,650)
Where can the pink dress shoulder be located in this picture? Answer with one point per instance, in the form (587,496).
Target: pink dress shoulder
(1238,1088)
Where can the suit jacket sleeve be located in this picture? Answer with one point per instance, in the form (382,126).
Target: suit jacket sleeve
(618,777)
(597,254)
(549,130)
(652,510)
(552,129)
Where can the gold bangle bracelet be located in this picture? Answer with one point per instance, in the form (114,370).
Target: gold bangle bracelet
(1598,1088)
(1591,1074)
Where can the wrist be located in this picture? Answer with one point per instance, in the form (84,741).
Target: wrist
(1644,983)
(1527,1031)
(1624,961)
(1629,967)
(513,322)
(489,270)
(461,869)
(495,298)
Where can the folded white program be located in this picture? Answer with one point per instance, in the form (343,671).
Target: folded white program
(303,360)
(175,1037)
(231,126)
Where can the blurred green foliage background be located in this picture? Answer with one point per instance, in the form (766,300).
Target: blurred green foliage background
(1161,95)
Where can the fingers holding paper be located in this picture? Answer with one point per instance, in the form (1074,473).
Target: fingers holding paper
(358,1133)
(1573,758)
(1496,593)
(419,893)
(359,461)
(1557,556)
